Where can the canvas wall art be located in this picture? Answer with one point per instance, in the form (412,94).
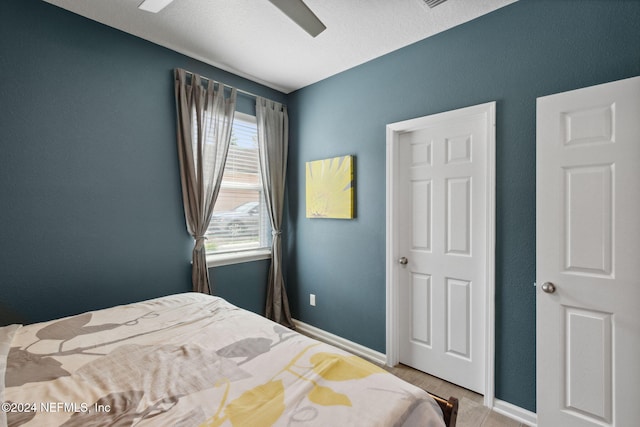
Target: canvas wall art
(330,188)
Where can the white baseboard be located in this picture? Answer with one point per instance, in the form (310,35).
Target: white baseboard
(340,342)
(515,412)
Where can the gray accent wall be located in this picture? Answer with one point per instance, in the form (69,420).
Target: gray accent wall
(529,49)
(90,201)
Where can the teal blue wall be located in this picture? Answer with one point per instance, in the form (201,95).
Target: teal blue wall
(512,56)
(91,211)
(243,284)
(90,201)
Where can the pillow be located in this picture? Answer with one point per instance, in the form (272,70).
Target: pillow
(6,337)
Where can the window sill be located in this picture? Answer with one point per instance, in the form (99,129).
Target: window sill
(237,257)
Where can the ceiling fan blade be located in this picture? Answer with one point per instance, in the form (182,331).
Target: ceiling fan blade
(154,6)
(301,15)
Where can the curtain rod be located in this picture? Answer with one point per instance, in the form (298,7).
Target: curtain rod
(224,84)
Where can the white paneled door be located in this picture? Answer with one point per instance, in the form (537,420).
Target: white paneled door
(588,256)
(443,197)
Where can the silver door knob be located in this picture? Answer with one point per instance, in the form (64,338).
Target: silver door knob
(403,260)
(548,287)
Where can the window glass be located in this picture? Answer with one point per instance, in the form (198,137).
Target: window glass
(240,221)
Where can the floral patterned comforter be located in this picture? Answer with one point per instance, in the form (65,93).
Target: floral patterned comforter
(192,360)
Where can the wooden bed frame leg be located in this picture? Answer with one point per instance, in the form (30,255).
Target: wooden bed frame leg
(452,410)
(449,409)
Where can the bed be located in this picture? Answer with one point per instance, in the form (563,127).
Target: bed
(195,360)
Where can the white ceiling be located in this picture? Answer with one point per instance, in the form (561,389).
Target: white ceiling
(253,39)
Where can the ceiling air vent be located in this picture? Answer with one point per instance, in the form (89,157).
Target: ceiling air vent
(433,3)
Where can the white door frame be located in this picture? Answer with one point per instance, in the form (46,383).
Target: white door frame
(392,228)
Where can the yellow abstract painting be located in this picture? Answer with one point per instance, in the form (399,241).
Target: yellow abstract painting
(330,188)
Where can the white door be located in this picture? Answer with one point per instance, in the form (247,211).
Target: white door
(442,213)
(588,256)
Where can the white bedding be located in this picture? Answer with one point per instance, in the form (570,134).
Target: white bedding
(189,360)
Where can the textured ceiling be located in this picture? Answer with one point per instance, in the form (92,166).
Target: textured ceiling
(253,39)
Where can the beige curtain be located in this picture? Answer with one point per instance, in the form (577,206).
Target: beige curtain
(273,141)
(204,122)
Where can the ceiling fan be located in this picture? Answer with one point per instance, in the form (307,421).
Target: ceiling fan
(296,10)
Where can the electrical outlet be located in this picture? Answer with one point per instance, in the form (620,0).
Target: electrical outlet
(312,299)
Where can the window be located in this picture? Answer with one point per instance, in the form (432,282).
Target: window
(240,227)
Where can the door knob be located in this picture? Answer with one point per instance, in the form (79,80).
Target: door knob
(548,287)
(403,260)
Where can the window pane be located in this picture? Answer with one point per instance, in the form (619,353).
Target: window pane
(242,161)
(240,220)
